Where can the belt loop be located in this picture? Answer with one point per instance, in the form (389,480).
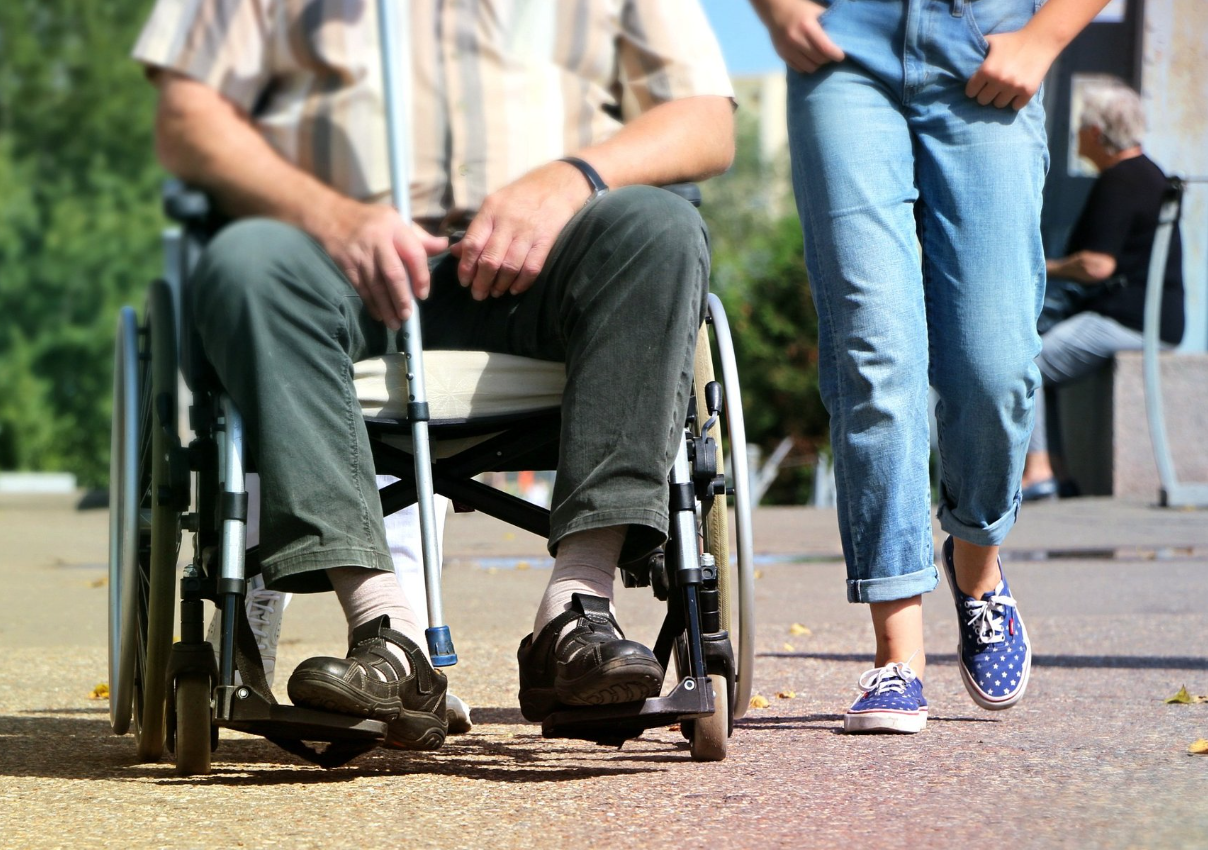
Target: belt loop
(958,8)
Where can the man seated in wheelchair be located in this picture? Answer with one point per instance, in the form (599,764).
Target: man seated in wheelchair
(276,110)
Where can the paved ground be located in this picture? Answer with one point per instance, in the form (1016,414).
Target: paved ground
(1114,594)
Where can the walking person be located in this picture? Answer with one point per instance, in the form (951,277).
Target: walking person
(915,125)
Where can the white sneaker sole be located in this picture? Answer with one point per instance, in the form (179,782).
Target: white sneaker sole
(902,723)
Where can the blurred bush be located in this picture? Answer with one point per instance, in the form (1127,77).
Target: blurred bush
(79,223)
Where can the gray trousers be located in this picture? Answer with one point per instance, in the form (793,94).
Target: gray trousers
(619,302)
(1072,349)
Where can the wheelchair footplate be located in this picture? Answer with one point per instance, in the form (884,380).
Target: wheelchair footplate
(340,737)
(613,725)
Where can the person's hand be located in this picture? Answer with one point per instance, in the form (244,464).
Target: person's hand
(1012,71)
(384,258)
(797,35)
(509,240)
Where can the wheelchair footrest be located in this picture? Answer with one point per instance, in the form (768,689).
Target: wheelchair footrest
(252,713)
(613,725)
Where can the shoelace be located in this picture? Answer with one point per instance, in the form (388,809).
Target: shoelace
(261,604)
(892,677)
(986,616)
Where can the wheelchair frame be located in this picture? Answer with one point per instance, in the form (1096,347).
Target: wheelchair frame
(178,696)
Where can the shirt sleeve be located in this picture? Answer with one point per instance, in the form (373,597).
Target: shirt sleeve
(1106,220)
(667,50)
(222,43)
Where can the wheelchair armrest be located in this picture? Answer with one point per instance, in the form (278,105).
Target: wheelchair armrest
(690,192)
(191,208)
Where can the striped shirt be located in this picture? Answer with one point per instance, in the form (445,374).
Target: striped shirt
(499,87)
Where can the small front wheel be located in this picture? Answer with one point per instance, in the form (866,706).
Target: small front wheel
(708,736)
(193,720)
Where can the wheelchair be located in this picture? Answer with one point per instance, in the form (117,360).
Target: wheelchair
(177,695)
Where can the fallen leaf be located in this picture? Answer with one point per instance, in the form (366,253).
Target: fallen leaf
(1199,747)
(798,630)
(759,574)
(522,565)
(758,701)
(100,582)
(674,727)
(101,691)
(787,695)
(788,647)
(1184,698)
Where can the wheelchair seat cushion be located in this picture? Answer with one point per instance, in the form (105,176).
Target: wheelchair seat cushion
(462,386)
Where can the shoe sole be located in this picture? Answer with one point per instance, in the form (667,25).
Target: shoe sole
(621,681)
(902,723)
(415,730)
(327,693)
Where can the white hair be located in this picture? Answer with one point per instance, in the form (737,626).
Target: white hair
(1115,109)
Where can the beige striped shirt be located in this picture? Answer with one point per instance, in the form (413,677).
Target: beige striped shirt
(498,86)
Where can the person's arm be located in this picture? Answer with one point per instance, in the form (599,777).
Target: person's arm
(506,245)
(208,141)
(1018,61)
(1089,267)
(796,34)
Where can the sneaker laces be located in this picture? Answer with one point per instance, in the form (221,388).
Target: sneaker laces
(986,617)
(894,677)
(261,605)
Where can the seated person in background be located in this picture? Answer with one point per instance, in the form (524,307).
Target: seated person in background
(276,109)
(1111,242)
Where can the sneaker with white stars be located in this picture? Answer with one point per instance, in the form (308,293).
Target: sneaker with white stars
(994,651)
(892,701)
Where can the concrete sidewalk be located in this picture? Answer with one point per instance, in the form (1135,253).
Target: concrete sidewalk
(1113,593)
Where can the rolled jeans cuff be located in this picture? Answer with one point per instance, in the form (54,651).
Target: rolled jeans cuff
(980,535)
(893,588)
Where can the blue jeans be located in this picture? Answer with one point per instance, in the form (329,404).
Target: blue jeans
(890,157)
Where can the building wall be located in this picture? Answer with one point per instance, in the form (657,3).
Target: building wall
(1174,85)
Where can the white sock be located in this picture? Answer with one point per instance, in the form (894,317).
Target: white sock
(586,563)
(365,594)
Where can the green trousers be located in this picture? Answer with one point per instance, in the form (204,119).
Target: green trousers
(619,302)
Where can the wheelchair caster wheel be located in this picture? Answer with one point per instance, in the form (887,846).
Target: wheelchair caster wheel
(193,725)
(709,736)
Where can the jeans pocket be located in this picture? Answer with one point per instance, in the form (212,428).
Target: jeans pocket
(991,17)
(834,4)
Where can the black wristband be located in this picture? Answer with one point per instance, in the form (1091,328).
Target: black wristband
(598,186)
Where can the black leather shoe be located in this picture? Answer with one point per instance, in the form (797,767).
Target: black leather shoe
(412,703)
(592,664)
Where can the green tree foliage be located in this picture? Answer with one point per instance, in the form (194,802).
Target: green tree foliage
(759,275)
(79,223)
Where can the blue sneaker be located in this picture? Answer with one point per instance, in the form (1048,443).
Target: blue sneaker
(892,701)
(995,655)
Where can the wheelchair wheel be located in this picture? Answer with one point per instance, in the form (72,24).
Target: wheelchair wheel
(145,533)
(710,735)
(123,510)
(193,732)
(716,521)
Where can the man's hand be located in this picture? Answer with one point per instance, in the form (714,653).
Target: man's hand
(507,244)
(797,35)
(1086,267)
(1012,71)
(385,259)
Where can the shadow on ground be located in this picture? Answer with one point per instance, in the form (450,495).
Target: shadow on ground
(79,744)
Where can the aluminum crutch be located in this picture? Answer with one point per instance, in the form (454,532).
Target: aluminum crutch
(394,24)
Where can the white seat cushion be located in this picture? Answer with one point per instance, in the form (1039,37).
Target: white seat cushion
(461,385)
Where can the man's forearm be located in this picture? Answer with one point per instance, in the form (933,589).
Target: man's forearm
(1088,267)
(678,141)
(206,141)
